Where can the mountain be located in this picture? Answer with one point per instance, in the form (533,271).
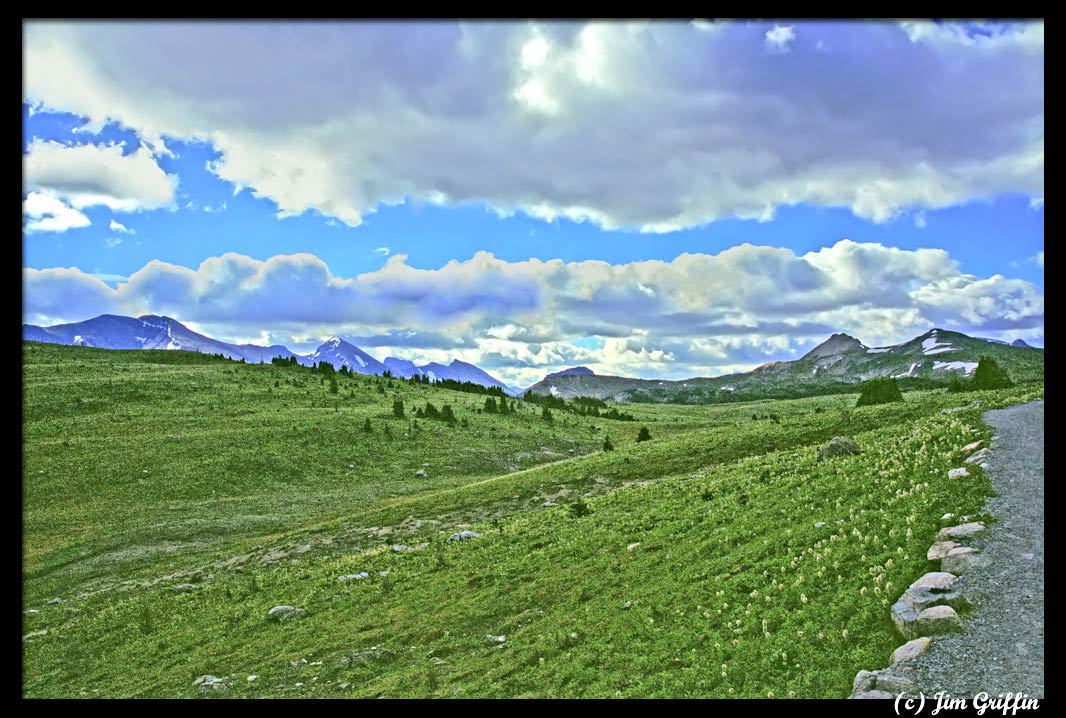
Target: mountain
(1021,344)
(572,371)
(340,353)
(835,365)
(109,331)
(461,371)
(403,368)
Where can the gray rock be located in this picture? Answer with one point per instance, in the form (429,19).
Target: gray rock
(962,531)
(184,587)
(464,535)
(958,473)
(548,504)
(819,524)
(285,613)
(980,457)
(839,446)
(421,472)
(883,681)
(353,576)
(961,560)
(54,601)
(939,550)
(970,447)
(911,650)
(875,695)
(939,620)
(933,589)
(209,683)
(34,634)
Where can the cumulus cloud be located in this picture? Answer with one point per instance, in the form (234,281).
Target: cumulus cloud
(1039,258)
(119,227)
(778,39)
(48,214)
(653,126)
(88,175)
(699,314)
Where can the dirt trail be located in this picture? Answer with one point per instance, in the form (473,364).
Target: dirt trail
(1002,648)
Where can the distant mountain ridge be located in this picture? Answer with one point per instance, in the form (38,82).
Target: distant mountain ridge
(833,365)
(110,331)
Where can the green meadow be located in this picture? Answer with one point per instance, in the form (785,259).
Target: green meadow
(171,499)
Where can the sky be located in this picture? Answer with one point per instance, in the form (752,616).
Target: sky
(658,199)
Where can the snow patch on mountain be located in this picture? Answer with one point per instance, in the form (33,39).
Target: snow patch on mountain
(967,367)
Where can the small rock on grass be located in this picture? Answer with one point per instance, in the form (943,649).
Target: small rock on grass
(285,613)
(960,472)
(464,535)
(960,560)
(962,531)
(939,550)
(208,683)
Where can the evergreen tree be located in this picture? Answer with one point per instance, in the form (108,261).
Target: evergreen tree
(397,408)
(882,390)
(990,375)
(332,385)
(546,413)
(643,434)
(447,415)
(490,405)
(607,445)
(366,426)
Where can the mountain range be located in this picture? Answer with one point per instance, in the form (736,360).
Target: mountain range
(836,363)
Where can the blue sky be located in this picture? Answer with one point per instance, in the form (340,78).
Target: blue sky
(547,152)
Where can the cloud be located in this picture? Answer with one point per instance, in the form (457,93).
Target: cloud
(113,241)
(650,126)
(89,175)
(1038,258)
(778,38)
(118,227)
(48,214)
(919,220)
(383,250)
(698,314)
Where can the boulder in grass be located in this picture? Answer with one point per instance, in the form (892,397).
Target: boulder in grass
(957,473)
(839,446)
(209,683)
(285,613)
(464,535)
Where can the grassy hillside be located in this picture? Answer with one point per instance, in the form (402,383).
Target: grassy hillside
(256,486)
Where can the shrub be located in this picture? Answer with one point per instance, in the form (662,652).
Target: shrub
(883,390)
(607,445)
(366,426)
(579,508)
(397,408)
(643,434)
(546,414)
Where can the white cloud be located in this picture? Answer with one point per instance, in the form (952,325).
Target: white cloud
(383,250)
(113,241)
(653,126)
(119,227)
(699,314)
(48,214)
(779,38)
(1038,258)
(919,220)
(88,175)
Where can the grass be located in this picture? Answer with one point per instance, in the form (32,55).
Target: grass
(261,489)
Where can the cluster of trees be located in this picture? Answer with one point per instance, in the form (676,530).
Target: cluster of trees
(468,387)
(282,361)
(988,375)
(580,405)
(882,390)
(501,407)
(445,413)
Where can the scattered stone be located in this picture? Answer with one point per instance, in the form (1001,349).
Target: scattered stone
(184,587)
(497,639)
(627,605)
(939,550)
(252,678)
(838,446)
(939,619)
(209,683)
(962,531)
(353,576)
(947,517)
(911,650)
(426,465)
(383,574)
(54,601)
(819,524)
(872,684)
(285,613)
(956,473)
(633,546)
(33,634)
(300,662)
(401,548)
(464,535)
(548,504)
(421,472)
(980,457)
(970,447)
(960,560)
(933,589)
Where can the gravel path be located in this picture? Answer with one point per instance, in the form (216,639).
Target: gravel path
(1002,649)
